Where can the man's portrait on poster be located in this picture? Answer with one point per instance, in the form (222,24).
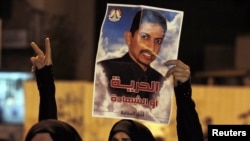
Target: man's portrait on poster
(134,44)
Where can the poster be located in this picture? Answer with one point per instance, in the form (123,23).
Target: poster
(129,80)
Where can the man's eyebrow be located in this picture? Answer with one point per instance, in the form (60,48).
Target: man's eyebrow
(161,38)
(145,33)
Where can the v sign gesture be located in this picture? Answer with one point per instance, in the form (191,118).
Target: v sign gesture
(41,59)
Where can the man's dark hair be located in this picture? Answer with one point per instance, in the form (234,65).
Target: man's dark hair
(148,16)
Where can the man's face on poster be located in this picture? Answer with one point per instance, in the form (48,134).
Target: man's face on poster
(145,44)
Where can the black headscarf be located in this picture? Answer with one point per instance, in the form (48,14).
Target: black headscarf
(135,130)
(58,130)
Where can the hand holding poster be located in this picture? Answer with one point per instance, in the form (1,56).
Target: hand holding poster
(135,42)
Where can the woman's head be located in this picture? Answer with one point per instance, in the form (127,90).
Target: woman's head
(52,130)
(130,130)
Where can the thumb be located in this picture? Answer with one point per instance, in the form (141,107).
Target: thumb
(33,60)
(33,67)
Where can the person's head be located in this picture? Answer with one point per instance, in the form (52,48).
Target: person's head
(52,130)
(129,130)
(145,36)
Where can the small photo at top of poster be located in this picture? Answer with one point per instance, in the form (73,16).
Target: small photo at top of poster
(129,81)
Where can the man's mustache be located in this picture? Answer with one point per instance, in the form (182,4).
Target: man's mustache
(151,52)
(147,51)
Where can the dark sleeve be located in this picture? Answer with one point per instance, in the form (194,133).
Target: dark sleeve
(46,87)
(188,124)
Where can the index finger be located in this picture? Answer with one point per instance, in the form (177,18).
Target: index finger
(37,50)
(171,63)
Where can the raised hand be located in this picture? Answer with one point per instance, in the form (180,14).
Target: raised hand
(41,59)
(180,71)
